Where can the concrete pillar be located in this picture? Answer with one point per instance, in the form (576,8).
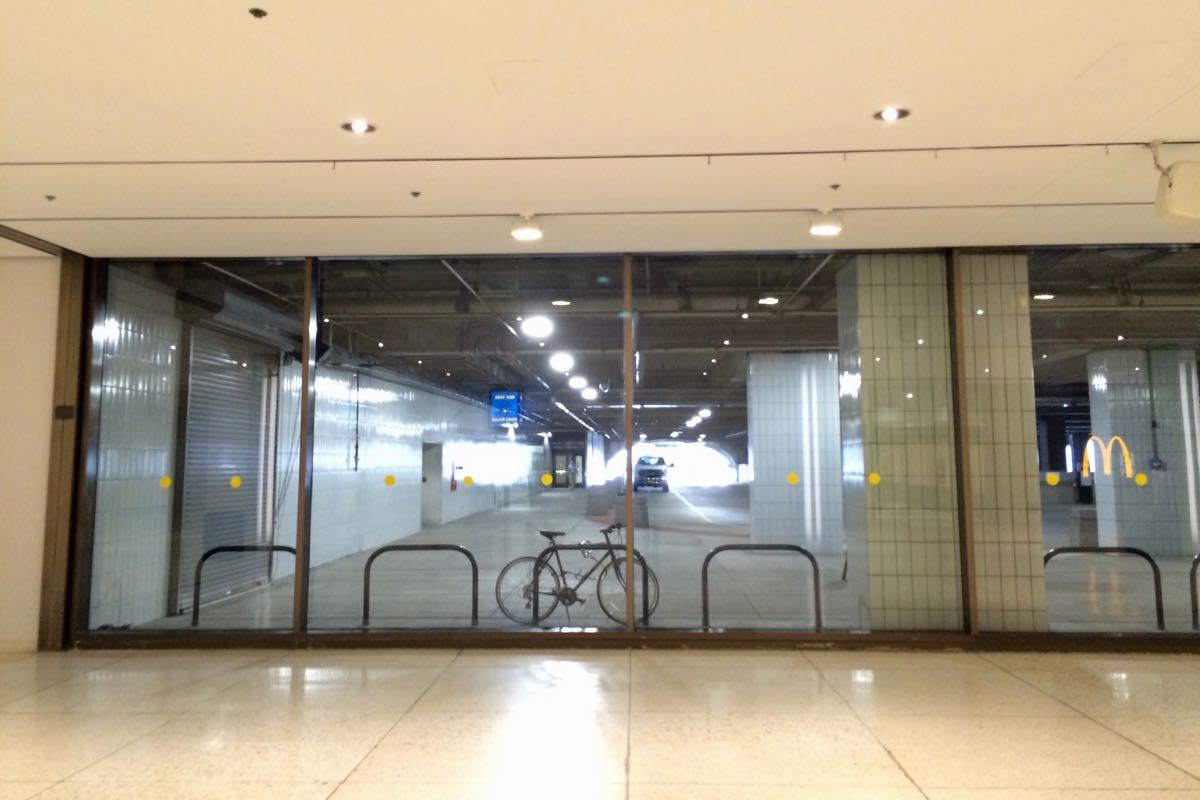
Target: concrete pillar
(1149,399)
(898,471)
(795,453)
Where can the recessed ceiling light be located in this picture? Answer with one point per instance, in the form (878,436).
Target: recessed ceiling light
(713,361)
(701,437)
(1045,356)
(909,395)
(589,394)
(769,300)
(1043,296)
(325,320)
(891,114)
(541,344)
(726,343)
(381,344)
(358,126)
(172,347)
(642,436)
(1120,338)
(244,364)
(560,302)
(419,361)
(826,224)
(705,373)
(537,327)
(704,413)
(674,434)
(562,362)
(745,315)
(920,341)
(525,230)
(577,382)
(979,312)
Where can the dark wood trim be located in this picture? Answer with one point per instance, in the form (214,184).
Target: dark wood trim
(64,449)
(34,242)
(962,440)
(308,407)
(932,641)
(91,376)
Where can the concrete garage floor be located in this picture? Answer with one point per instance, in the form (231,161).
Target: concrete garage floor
(767,591)
(598,725)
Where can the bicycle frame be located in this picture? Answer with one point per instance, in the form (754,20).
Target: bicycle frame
(600,562)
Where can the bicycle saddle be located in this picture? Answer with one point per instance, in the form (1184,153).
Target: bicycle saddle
(552,535)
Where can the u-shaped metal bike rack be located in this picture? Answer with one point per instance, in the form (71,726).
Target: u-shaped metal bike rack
(228,548)
(543,559)
(786,548)
(392,548)
(1127,551)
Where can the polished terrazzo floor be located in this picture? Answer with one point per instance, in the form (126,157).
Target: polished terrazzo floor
(607,724)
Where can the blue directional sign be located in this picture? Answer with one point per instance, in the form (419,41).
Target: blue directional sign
(506,408)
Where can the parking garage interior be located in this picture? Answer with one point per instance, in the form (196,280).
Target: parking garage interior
(748,388)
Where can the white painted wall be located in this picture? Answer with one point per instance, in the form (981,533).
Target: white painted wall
(28,320)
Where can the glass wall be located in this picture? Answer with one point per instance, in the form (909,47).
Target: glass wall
(794,443)
(197,446)
(454,426)
(1115,338)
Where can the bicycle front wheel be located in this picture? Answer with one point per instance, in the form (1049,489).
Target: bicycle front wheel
(610,589)
(514,590)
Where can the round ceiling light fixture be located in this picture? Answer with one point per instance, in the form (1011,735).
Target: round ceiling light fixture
(891,114)
(769,300)
(577,382)
(562,362)
(538,327)
(358,126)
(826,223)
(589,394)
(526,230)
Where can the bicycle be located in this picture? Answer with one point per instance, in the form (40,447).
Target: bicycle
(514,586)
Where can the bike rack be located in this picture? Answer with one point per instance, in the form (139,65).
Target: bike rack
(544,556)
(228,548)
(1129,551)
(787,548)
(391,548)
(1195,599)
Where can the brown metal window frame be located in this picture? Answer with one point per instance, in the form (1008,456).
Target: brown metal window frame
(68,577)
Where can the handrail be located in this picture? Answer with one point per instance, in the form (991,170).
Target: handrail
(1195,599)
(228,548)
(391,548)
(1124,551)
(543,560)
(789,548)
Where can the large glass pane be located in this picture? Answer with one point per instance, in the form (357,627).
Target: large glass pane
(463,407)
(794,407)
(1116,333)
(197,445)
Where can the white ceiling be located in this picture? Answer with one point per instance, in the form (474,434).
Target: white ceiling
(185,81)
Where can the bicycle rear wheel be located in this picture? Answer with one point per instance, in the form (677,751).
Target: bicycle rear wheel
(514,590)
(610,589)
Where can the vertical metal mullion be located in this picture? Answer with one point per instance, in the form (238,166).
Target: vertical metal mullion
(627,356)
(308,398)
(958,392)
(88,460)
(183,403)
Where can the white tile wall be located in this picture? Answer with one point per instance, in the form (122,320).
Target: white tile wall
(1127,389)
(792,401)
(894,360)
(1002,440)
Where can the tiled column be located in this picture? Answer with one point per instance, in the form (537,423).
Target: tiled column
(894,358)
(1131,390)
(796,495)
(1005,504)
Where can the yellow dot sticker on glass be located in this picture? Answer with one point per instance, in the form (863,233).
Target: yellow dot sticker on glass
(390,480)
(1140,479)
(1052,479)
(468,481)
(793,478)
(874,479)
(164,482)
(547,479)
(235,481)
